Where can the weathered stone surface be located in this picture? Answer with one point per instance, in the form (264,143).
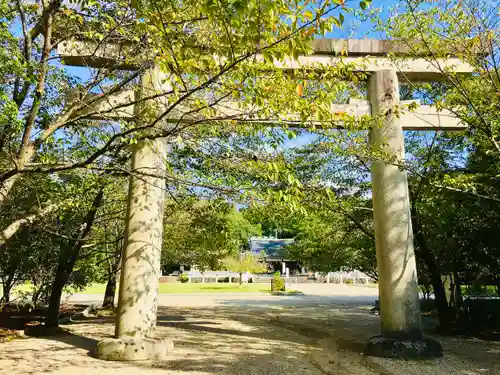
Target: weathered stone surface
(365,55)
(397,269)
(388,347)
(131,349)
(140,270)
(398,282)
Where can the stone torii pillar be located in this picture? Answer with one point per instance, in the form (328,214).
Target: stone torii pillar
(140,270)
(143,234)
(398,284)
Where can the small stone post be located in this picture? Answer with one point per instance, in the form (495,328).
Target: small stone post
(398,287)
(138,296)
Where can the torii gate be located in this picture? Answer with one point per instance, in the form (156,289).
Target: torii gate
(401,326)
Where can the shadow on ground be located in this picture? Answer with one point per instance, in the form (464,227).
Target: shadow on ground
(245,340)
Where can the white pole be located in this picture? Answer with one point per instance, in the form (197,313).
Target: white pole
(398,287)
(137,301)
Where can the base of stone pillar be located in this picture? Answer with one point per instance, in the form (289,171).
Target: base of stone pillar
(133,349)
(380,346)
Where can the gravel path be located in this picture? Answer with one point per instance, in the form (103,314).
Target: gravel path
(313,294)
(249,334)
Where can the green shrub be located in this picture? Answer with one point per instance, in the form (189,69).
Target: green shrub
(183,278)
(277,283)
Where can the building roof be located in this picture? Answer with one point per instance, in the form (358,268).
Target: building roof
(271,246)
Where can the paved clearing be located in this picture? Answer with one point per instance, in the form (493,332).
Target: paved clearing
(320,333)
(314,294)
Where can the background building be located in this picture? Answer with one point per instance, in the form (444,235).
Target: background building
(275,254)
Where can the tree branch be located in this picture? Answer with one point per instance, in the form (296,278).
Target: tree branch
(15,226)
(52,9)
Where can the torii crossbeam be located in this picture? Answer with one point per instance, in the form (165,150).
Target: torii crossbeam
(399,302)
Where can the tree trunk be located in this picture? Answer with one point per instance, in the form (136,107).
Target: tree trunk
(458,291)
(36,294)
(445,323)
(444,312)
(241,278)
(7,285)
(56,293)
(41,293)
(109,294)
(67,260)
(456,299)
(6,294)
(113,268)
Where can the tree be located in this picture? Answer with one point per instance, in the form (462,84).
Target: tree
(245,262)
(64,250)
(108,238)
(45,107)
(48,125)
(275,219)
(468,30)
(68,256)
(452,233)
(332,226)
(85,240)
(203,232)
(328,239)
(25,254)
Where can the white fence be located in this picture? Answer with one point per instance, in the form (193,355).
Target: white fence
(352,277)
(214,276)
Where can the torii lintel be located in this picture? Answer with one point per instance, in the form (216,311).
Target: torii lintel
(366,55)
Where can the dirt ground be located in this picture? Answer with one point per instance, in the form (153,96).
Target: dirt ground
(225,339)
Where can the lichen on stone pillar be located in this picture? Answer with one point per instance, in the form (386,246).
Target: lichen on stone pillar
(140,270)
(400,315)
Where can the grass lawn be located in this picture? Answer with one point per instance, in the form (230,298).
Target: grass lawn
(166,288)
(19,288)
